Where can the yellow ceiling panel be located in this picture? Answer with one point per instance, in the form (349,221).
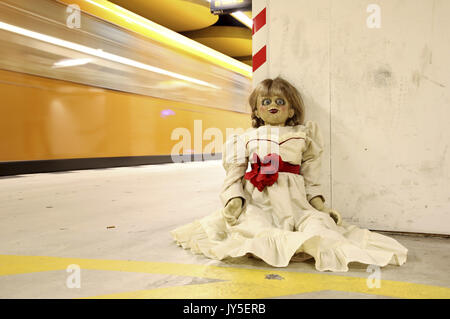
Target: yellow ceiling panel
(177,15)
(230,40)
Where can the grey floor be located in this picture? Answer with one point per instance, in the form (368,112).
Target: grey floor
(126,214)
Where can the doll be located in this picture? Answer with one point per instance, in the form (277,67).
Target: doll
(275,210)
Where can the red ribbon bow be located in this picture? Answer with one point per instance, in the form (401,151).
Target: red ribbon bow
(264,173)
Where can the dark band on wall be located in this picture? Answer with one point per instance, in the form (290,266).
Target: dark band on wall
(61,165)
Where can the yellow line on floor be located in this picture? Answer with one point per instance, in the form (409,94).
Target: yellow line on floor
(236,282)
(215,290)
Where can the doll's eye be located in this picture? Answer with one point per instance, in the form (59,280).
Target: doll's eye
(280,101)
(266,102)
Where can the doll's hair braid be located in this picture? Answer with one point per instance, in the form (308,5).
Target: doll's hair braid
(278,86)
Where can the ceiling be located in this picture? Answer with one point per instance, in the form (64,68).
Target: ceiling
(193,19)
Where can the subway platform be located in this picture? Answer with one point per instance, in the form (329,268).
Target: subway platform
(104,233)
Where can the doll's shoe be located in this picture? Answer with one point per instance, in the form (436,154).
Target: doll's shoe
(299,257)
(250,255)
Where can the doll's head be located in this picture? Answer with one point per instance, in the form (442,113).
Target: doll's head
(276,102)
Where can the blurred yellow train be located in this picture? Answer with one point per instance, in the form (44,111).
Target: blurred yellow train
(103,87)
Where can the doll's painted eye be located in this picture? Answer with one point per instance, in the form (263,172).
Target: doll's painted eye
(266,102)
(280,102)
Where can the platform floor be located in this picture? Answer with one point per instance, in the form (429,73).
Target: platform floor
(114,225)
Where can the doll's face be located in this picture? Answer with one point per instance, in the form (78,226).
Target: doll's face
(274,109)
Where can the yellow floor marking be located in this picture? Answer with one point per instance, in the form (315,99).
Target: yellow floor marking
(216,290)
(236,282)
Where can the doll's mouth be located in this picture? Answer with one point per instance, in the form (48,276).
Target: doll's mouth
(273,111)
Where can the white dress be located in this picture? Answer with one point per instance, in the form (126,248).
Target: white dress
(278,222)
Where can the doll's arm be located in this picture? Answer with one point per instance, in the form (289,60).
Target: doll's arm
(235,161)
(317,202)
(311,161)
(310,169)
(233,210)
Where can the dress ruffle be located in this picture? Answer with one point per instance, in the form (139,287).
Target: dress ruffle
(333,247)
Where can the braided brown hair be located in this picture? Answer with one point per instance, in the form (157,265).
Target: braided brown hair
(278,86)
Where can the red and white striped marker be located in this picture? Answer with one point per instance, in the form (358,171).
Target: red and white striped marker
(259,39)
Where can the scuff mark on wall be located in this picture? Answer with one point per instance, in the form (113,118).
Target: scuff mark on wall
(382,77)
(434,168)
(433,81)
(285,33)
(426,59)
(417,76)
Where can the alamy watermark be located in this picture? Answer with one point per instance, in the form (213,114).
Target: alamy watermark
(233,146)
(74,279)
(374,279)
(374,19)
(73,20)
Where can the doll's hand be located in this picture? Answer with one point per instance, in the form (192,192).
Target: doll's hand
(317,203)
(233,210)
(335,215)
